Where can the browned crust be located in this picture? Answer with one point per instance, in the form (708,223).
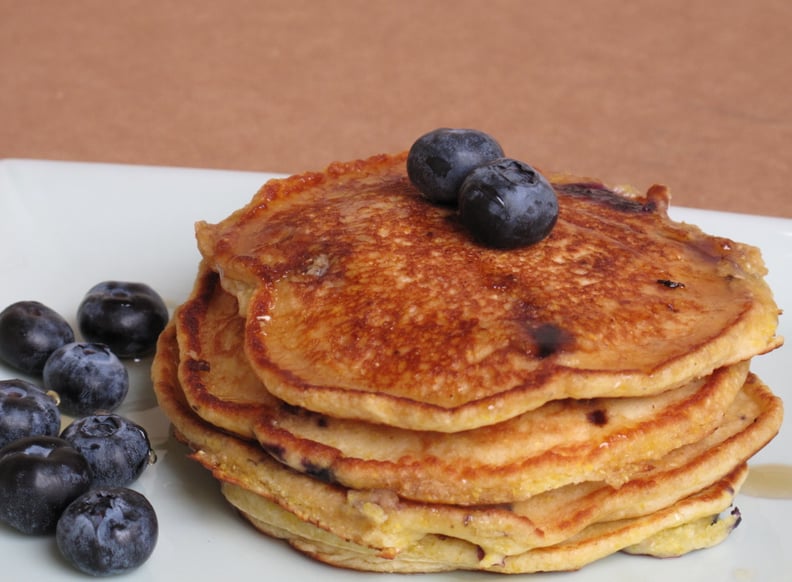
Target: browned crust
(638,304)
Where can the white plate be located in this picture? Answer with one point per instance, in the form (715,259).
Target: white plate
(67,226)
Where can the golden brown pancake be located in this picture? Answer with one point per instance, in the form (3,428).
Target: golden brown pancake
(562,442)
(363,300)
(380,531)
(222,387)
(371,385)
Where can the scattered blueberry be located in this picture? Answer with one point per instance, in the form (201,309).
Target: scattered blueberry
(506,204)
(126,316)
(88,377)
(26,410)
(39,477)
(108,531)
(439,161)
(29,332)
(117,449)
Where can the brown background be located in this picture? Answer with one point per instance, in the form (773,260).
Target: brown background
(692,93)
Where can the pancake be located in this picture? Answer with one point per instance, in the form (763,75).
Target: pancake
(562,442)
(379,531)
(369,384)
(364,301)
(219,384)
(691,524)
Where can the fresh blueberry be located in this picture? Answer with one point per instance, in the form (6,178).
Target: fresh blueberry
(29,332)
(438,161)
(88,377)
(126,316)
(39,477)
(108,531)
(506,204)
(117,449)
(26,410)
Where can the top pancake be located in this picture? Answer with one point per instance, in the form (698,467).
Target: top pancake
(363,300)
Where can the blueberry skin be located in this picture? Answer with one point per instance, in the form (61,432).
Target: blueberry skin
(39,477)
(88,377)
(117,449)
(507,204)
(439,161)
(29,332)
(108,531)
(126,316)
(26,410)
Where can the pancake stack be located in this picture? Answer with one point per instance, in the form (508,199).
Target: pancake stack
(369,384)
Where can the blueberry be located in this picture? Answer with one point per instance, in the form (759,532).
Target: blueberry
(506,204)
(117,449)
(108,531)
(126,316)
(438,161)
(26,410)
(29,332)
(39,477)
(88,377)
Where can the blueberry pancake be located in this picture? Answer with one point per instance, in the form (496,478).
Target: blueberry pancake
(363,300)
(372,383)
(572,525)
(559,443)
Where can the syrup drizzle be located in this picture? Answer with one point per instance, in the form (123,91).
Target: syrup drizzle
(771,481)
